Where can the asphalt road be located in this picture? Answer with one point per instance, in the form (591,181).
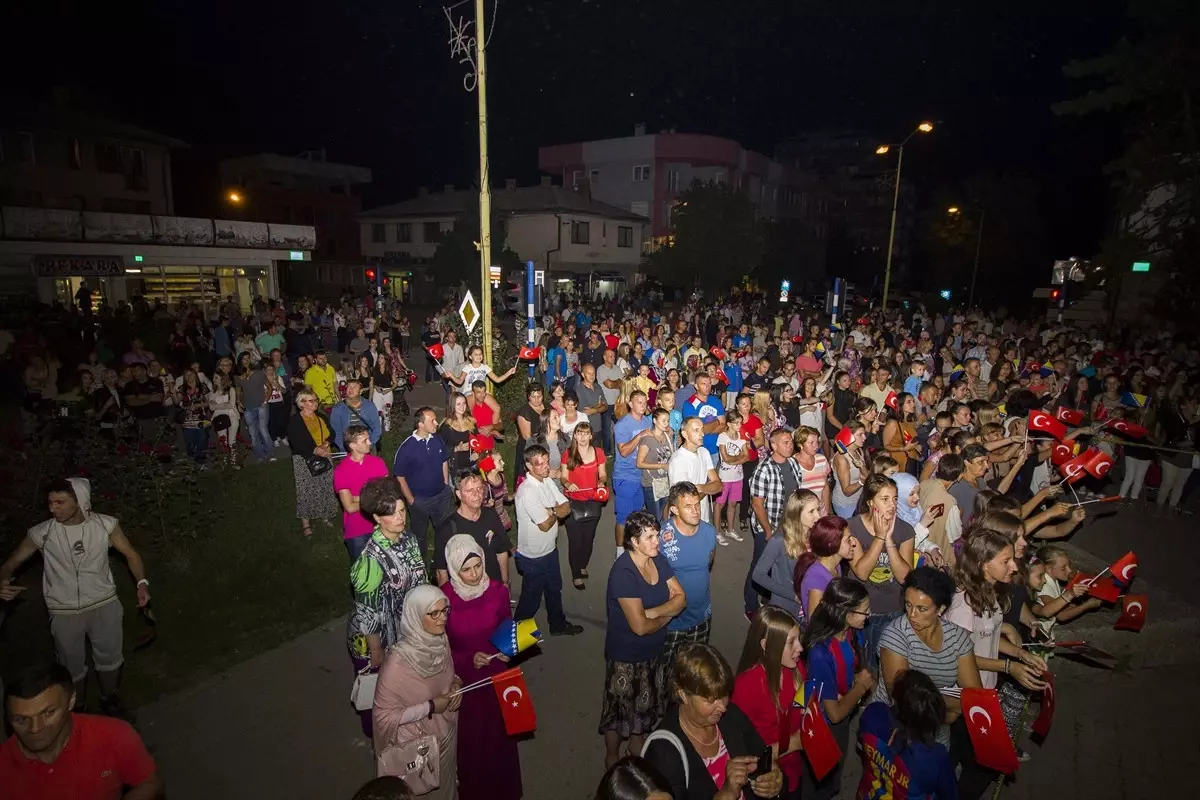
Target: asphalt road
(280,725)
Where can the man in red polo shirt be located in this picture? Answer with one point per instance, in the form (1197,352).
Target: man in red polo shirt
(56,754)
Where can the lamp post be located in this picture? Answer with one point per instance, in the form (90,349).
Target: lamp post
(485,189)
(956,211)
(924,127)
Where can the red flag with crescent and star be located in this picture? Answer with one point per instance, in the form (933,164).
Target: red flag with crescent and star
(1041,725)
(1099,463)
(1043,422)
(515,703)
(1076,468)
(1105,588)
(989,735)
(1133,613)
(1126,428)
(1124,569)
(1062,452)
(892,401)
(819,745)
(1069,416)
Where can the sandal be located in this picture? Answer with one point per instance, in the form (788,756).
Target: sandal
(578,584)
(307,528)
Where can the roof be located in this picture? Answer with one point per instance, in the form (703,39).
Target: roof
(70,121)
(523,200)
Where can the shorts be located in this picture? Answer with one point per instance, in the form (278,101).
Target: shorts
(627,498)
(101,627)
(730,492)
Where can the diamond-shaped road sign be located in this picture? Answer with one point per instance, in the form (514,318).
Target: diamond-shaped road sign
(468,312)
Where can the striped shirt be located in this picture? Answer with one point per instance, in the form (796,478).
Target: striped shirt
(817,478)
(941,667)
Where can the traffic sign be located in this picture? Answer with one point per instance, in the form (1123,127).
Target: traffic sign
(1141,266)
(468,312)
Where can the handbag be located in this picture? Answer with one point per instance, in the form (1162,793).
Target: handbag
(661,487)
(673,740)
(318,465)
(362,693)
(585,510)
(418,761)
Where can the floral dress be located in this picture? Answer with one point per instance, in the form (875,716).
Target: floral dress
(380,579)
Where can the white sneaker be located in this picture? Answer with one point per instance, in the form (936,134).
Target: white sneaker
(721,540)
(732,535)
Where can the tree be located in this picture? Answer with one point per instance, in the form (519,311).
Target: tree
(1153,81)
(717,237)
(792,251)
(456,259)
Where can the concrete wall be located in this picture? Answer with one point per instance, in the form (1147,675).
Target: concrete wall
(532,235)
(391,247)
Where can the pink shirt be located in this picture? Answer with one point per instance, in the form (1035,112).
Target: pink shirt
(352,477)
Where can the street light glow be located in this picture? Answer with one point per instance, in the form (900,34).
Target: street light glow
(925,127)
(234,197)
(883,148)
(953,210)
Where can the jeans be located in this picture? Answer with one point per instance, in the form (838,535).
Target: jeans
(260,437)
(1135,474)
(356,545)
(541,576)
(197,443)
(750,592)
(606,430)
(426,510)
(656,507)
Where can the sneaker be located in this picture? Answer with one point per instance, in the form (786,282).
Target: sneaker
(1023,755)
(571,630)
(721,540)
(734,536)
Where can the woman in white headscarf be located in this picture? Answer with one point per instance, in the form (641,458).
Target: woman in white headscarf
(491,767)
(415,716)
(908,508)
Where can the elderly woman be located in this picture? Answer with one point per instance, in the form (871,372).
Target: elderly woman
(720,746)
(416,718)
(311,440)
(491,765)
(389,566)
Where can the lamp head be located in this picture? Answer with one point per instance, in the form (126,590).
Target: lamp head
(883,148)
(925,127)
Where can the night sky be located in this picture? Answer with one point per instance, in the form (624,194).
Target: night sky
(373,81)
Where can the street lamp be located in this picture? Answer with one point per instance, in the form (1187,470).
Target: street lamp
(235,197)
(883,149)
(955,211)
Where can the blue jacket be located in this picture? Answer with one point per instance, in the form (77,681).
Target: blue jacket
(339,418)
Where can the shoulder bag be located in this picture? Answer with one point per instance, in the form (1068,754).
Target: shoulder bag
(585,510)
(673,740)
(362,694)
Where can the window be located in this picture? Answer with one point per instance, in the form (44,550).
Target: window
(432,232)
(640,207)
(576,178)
(624,236)
(672,180)
(719,178)
(404,232)
(641,172)
(108,158)
(594,177)
(378,232)
(580,233)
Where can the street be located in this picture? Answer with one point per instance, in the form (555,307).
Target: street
(280,725)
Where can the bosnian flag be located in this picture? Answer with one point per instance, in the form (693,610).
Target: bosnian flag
(512,638)
(957,372)
(1134,400)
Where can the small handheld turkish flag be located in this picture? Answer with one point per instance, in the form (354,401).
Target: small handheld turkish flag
(602,494)
(481,443)
(1099,464)
(436,352)
(611,341)
(1041,725)
(1062,452)
(1076,468)
(819,745)
(1069,416)
(487,464)
(1044,423)
(718,354)
(516,706)
(844,439)
(891,401)
(989,736)
(1126,428)
(1104,588)
(1133,613)
(1078,578)
(1125,568)
(529,353)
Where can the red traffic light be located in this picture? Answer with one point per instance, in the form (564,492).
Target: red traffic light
(386,280)
(370,275)
(1054,294)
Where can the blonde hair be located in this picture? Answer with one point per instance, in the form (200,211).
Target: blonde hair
(802,435)
(795,538)
(760,403)
(305,394)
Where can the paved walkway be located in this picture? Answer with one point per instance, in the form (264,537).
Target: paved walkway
(279,725)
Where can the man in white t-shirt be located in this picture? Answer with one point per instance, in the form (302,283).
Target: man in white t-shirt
(693,463)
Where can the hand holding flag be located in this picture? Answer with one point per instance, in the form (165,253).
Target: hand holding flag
(513,638)
(516,705)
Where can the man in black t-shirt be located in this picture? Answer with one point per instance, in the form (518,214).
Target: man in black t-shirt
(144,397)
(481,524)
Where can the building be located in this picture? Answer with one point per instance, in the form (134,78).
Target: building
(855,188)
(300,190)
(645,173)
(563,231)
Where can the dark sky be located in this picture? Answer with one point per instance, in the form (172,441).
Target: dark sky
(373,81)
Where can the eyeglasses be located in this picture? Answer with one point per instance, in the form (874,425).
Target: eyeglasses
(856,611)
(438,613)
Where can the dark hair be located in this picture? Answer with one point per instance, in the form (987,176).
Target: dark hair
(385,787)
(574,459)
(466,475)
(932,582)
(479,385)
(533,451)
(636,524)
(61,486)
(381,497)
(420,413)
(824,539)
(354,431)
(919,709)
(950,467)
(973,451)
(534,388)
(570,397)
(828,619)
(871,487)
(864,404)
(681,489)
(631,778)
(32,680)
(701,671)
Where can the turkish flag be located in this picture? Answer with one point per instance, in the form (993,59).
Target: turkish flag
(601,494)
(718,354)
(1093,654)
(1099,464)
(989,736)
(1105,588)
(481,443)
(891,401)
(611,341)
(908,437)
(487,464)
(1078,578)
(1076,468)
(1124,569)
(1126,428)
(1062,452)
(1043,422)
(515,703)
(1133,613)
(1069,416)
(819,745)
(436,352)
(1041,725)
(844,439)
(529,354)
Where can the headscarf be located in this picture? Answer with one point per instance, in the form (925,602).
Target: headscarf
(423,651)
(905,483)
(461,547)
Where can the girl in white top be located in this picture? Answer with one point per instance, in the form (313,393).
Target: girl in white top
(734,453)
(475,370)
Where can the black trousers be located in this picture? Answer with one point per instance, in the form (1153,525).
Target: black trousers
(974,780)
(581,536)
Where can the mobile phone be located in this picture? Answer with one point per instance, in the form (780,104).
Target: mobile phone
(938,510)
(763,766)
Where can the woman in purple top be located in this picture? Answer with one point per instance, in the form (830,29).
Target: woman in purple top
(829,544)
(489,766)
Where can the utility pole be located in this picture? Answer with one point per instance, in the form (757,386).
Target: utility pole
(485,189)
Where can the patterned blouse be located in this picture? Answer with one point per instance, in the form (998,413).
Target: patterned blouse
(380,578)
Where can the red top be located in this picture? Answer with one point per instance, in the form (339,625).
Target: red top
(586,477)
(483,414)
(103,757)
(750,428)
(751,695)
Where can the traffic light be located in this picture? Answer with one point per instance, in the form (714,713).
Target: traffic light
(514,295)
(386,280)
(1055,294)
(370,273)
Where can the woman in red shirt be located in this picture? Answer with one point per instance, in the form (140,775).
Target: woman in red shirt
(768,675)
(752,431)
(583,473)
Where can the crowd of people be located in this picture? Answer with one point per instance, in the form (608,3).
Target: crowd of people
(901,516)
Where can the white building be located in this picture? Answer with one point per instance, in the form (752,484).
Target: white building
(562,231)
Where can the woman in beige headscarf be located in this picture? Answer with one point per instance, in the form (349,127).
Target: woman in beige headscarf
(415,718)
